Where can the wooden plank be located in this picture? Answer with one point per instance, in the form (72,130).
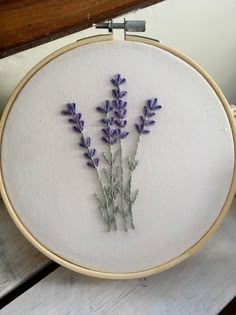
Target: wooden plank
(27,23)
(203,284)
(18,259)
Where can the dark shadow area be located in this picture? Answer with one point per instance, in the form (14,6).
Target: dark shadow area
(28,284)
(229,309)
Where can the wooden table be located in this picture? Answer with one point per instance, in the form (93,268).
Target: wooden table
(27,23)
(32,285)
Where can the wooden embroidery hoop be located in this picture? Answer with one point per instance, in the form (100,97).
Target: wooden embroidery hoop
(109,275)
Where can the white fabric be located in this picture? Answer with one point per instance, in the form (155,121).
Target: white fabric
(185,164)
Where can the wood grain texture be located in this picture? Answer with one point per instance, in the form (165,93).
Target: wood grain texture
(27,23)
(203,284)
(18,259)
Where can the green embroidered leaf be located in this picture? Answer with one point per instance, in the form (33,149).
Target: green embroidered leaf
(112,219)
(129,163)
(135,164)
(132,164)
(107,174)
(134,197)
(107,158)
(117,209)
(103,215)
(116,172)
(101,201)
(126,195)
(117,187)
(115,156)
(107,191)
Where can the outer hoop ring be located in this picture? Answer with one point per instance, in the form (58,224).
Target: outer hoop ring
(76,267)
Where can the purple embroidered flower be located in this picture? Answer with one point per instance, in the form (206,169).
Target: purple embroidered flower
(107,122)
(120,106)
(106,108)
(78,126)
(117,80)
(120,114)
(148,112)
(153,104)
(118,93)
(109,137)
(70,110)
(85,142)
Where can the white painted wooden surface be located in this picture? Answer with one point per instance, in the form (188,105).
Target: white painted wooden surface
(202,285)
(18,259)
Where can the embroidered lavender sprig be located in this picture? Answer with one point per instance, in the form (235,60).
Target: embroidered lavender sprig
(78,126)
(90,154)
(120,106)
(109,136)
(116,200)
(146,121)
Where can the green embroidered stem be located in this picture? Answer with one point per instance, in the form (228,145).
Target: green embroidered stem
(137,145)
(104,207)
(112,190)
(130,204)
(123,212)
(113,193)
(131,199)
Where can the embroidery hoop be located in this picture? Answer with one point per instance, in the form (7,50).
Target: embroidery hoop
(109,275)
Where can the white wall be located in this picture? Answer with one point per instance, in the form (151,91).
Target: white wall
(205,30)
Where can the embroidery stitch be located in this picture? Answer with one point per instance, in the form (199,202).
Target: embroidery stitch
(116,200)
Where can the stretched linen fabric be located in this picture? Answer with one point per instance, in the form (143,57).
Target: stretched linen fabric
(185,165)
